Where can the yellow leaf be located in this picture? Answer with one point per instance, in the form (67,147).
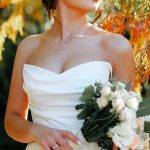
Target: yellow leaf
(4,3)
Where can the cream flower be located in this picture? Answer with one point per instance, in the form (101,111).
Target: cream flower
(105,91)
(122,135)
(102,102)
(127,115)
(132,103)
(137,96)
(118,104)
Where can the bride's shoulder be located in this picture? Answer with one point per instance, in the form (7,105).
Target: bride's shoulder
(115,42)
(31,43)
(120,48)
(120,53)
(28,46)
(118,42)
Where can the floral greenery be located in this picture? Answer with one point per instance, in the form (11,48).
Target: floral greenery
(146,90)
(100,117)
(146,98)
(94,122)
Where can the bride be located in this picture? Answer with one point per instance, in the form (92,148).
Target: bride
(51,70)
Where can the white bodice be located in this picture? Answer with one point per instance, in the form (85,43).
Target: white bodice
(52,96)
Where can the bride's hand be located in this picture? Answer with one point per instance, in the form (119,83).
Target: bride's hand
(51,138)
(115,147)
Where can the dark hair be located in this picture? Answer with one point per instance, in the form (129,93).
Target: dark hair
(50,6)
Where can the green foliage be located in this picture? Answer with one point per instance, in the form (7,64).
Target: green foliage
(146,90)
(96,121)
(144,108)
(147,127)
(88,94)
(128,86)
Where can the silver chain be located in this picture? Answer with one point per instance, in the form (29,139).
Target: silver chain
(66,40)
(77,35)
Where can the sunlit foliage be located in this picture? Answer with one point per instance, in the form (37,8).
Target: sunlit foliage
(12,25)
(132,19)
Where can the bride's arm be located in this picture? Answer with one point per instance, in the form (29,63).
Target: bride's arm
(122,58)
(16,124)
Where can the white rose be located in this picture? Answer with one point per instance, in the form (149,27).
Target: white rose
(137,96)
(105,91)
(102,102)
(117,93)
(127,115)
(122,135)
(121,94)
(118,104)
(132,103)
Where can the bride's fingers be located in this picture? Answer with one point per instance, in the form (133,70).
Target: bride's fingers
(115,147)
(71,136)
(63,142)
(45,145)
(52,144)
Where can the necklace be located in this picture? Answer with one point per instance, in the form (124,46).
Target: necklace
(68,39)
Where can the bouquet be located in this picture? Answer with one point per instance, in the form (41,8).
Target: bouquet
(110,115)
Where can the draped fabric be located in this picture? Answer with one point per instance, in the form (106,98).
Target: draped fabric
(53,97)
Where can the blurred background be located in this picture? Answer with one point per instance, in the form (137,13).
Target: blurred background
(21,18)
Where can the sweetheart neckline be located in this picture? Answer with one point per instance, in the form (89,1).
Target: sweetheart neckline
(70,69)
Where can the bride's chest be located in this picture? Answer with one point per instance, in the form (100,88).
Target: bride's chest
(60,58)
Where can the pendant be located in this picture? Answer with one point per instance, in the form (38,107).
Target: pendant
(66,41)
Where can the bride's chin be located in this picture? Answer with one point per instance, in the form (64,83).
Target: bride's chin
(82,5)
(93,6)
(90,8)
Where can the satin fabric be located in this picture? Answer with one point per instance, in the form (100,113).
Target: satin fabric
(53,97)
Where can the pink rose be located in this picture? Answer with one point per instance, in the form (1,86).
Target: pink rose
(135,142)
(140,123)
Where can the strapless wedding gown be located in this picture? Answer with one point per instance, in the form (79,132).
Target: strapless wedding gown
(53,97)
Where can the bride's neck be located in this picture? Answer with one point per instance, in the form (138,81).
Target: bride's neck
(68,22)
